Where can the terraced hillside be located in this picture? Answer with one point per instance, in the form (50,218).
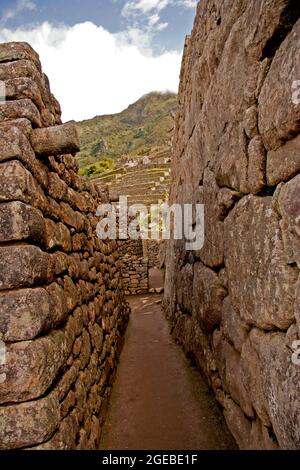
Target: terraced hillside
(147,182)
(136,131)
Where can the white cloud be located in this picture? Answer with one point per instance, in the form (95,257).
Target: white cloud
(142,7)
(20,6)
(136,7)
(146,13)
(93,71)
(187,3)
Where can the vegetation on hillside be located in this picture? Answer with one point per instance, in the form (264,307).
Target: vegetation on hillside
(135,131)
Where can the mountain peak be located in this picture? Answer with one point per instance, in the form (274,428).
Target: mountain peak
(135,131)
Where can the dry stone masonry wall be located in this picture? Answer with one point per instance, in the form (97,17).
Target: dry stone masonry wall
(135,267)
(234,305)
(62,307)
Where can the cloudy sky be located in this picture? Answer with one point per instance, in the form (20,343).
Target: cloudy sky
(102,55)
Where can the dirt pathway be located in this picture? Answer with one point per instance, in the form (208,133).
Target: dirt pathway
(159,401)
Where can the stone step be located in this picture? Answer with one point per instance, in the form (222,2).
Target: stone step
(153,186)
(144,178)
(149,166)
(146,199)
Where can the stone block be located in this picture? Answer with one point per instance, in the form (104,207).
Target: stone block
(289,209)
(233,327)
(31,366)
(261,284)
(24,88)
(56,140)
(28,424)
(256,178)
(20,222)
(12,51)
(280,378)
(23,266)
(279,117)
(283,162)
(16,183)
(24,108)
(207,295)
(24,314)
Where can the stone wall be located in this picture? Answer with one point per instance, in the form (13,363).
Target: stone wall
(63,312)
(234,305)
(135,267)
(152,251)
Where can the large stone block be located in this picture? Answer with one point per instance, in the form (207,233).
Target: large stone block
(14,145)
(65,437)
(31,366)
(56,140)
(24,108)
(17,184)
(261,284)
(279,117)
(185,281)
(228,362)
(280,377)
(23,124)
(20,222)
(28,424)
(233,327)
(57,236)
(23,266)
(289,208)
(24,314)
(18,50)
(232,162)
(283,162)
(212,253)
(24,88)
(238,424)
(252,379)
(208,294)
(19,68)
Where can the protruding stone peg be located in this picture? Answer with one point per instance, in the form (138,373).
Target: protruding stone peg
(56,140)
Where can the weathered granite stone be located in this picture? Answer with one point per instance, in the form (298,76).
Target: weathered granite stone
(262,285)
(28,424)
(233,327)
(238,424)
(24,88)
(24,314)
(31,366)
(23,266)
(65,437)
(212,253)
(20,109)
(256,166)
(20,222)
(56,140)
(250,122)
(16,183)
(17,51)
(252,381)
(283,162)
(280,377)
(279,117)
(207,298)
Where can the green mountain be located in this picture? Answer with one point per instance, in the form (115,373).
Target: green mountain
(135,131)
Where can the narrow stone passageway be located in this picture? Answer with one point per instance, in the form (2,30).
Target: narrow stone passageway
(159,401)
